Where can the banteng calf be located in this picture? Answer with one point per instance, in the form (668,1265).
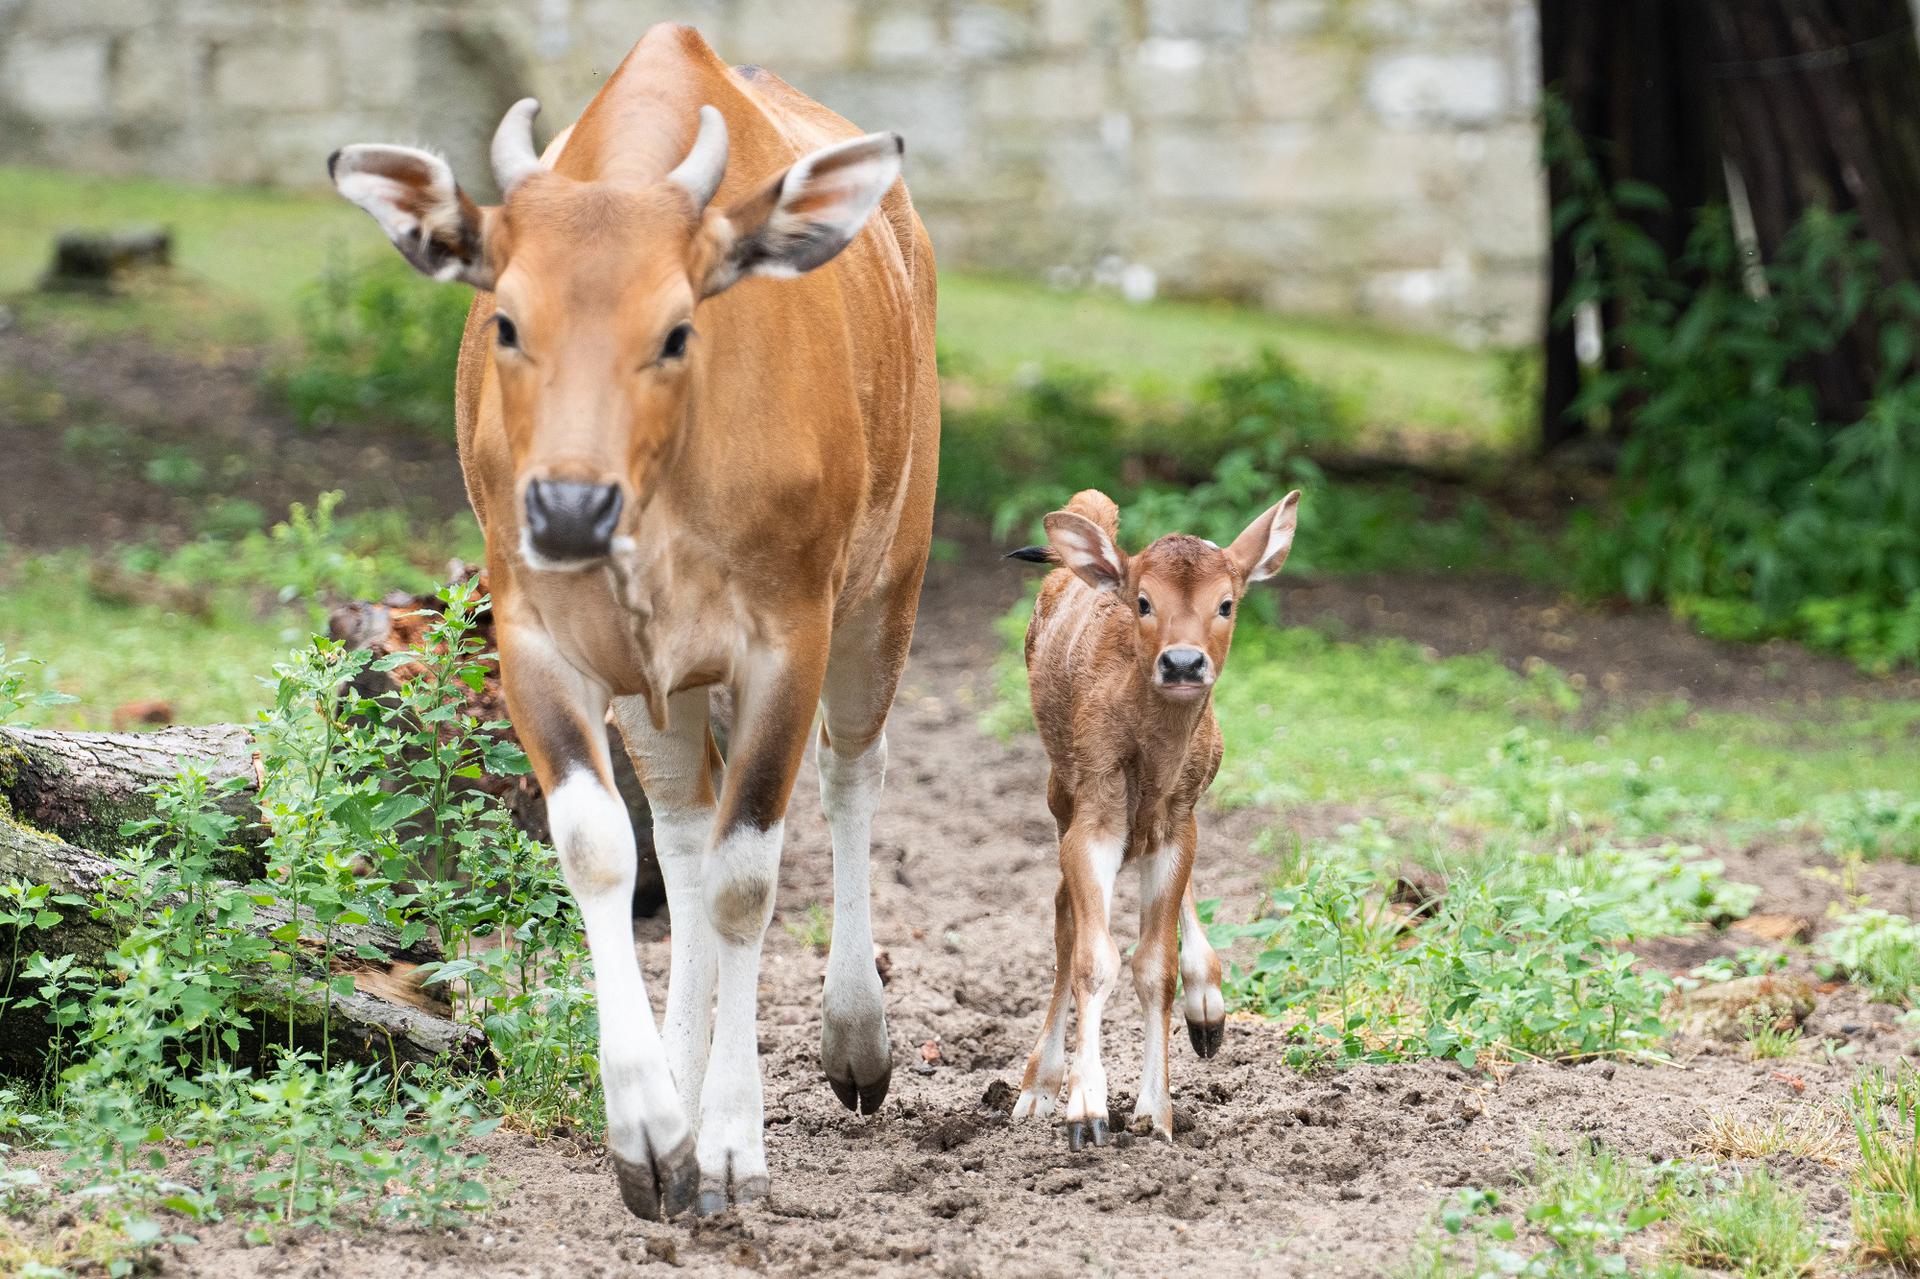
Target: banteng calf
(1122,655)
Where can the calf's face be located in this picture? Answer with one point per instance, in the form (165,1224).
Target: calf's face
(595,285)
(1184,592)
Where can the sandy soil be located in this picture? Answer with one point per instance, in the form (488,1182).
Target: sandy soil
(1272,1173)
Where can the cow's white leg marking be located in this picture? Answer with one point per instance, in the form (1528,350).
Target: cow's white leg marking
(853,1023)
(1047,1063)
(672,766)
(742,871)
(593,837)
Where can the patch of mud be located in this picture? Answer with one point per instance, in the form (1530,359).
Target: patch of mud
(1271,1172)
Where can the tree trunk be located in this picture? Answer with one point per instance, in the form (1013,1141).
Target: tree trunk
(1630,75)
(385,1020)
(1818,101)
(82,786)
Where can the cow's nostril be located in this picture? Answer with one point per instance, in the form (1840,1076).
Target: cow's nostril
(1183,666)
(572,521)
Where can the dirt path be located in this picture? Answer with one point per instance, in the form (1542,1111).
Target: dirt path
(1273,1173)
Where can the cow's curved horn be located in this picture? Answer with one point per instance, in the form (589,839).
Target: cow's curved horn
(706,163)
(513,154)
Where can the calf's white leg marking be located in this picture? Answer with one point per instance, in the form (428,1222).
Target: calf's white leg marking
(1087,1085)
(1151,981)
(853,1023)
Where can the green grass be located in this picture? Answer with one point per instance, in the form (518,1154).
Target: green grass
(254,251)
(1757,1229)
(996,330)
(1886,1186)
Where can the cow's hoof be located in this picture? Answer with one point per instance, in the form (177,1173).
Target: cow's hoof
(715,1198)
(862,1099)
(1081,1131)
(662,1188)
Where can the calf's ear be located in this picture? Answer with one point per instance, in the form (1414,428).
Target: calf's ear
(805,216)
(412,195)
(1085,548)
(1258,553)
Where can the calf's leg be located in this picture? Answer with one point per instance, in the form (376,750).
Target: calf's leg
(1200,998)
(1163,882)
(1090,860)
(1047,1063)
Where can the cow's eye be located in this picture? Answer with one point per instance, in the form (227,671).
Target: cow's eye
(505,333)
(1146,609)
(676,344)
(1226,608)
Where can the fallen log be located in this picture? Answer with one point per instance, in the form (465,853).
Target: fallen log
(384,1020)
(83,786)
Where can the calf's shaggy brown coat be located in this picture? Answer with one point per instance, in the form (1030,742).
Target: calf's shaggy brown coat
(1122,655)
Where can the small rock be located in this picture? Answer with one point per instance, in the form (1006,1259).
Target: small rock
(883,964)
(930,1052)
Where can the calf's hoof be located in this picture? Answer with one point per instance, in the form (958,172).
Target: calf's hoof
(1207,1037)
(661,1187)
(862,1099)
(1081,1131)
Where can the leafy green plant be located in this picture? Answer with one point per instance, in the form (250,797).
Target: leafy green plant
(1878,951)
(1871,824)
(378,347)
(1737,503)
(16,695)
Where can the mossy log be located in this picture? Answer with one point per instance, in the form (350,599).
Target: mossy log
(83,786)
(385,1020)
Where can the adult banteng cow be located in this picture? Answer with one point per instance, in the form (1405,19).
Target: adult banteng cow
(698,420)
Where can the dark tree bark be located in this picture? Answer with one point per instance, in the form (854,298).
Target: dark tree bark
(1818,101)
(384,1020)
(1631,75)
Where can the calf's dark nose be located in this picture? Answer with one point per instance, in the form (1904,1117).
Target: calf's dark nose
(571,521)
(1183,666)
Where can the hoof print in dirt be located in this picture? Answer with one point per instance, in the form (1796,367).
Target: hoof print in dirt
(1207,1038)
(862,1099)
(1081,1131)
(662,1190)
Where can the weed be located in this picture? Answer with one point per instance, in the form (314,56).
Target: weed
(1804,1132)
(1755,1228)
(814,929)
(1886,1188)
(1878,951)
(1768,1041)
(1870,824)
(15,695)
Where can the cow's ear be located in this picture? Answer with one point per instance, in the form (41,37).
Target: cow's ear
(412,195)
(805,216)
(1261,549)
(1085,548)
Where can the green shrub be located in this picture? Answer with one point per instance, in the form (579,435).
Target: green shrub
(1870,824)
(15,693)
(1736,502)
(378,347)
(197,1027)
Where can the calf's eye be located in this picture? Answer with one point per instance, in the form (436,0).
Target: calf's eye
(505,333)
(1226,608)
(676,344)
(1146,609)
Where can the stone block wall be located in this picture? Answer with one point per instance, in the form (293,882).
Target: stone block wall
(1368,158)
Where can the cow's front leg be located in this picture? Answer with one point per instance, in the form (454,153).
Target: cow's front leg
(560,716)
(773,712)
(1200,997)
(680,770)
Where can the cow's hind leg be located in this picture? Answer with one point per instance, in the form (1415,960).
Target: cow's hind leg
(774,702)
(868,653)
(1163,880)
(560,717)
(1047,1063)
